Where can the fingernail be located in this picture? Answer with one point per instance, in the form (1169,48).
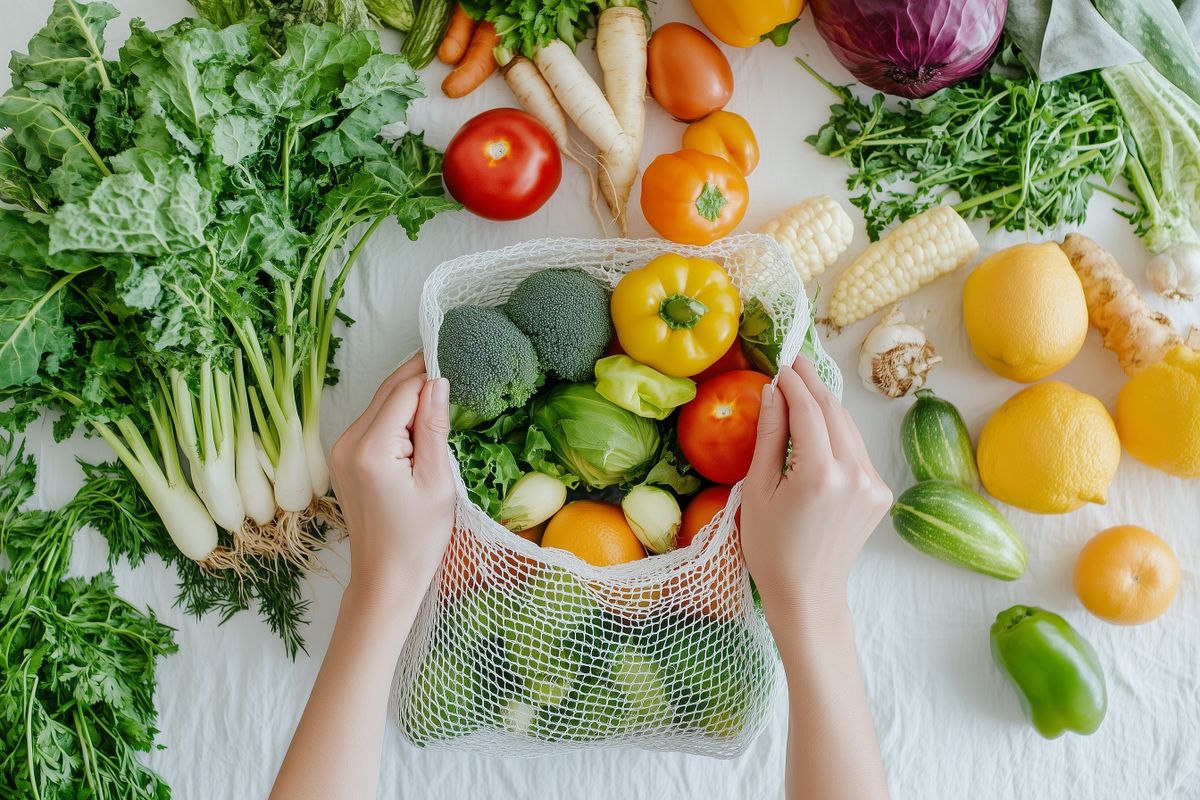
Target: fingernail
(441,391)
(768,396)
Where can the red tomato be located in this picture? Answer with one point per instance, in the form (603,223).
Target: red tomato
(689,76)
(700,511)
(718,429)
(734,358)
(502,164)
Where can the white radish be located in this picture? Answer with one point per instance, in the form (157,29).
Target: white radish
(621,51)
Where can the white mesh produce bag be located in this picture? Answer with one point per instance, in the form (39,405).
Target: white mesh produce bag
(521,650)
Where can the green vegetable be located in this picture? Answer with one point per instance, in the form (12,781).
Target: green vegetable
(936,443)
(601,443)
(643,390)
(77,663)
(398,14)
(167,275)
(672,469)
(427,31)
(959,526)
(1055,672)
(1022,153)
(533,499)
(1155,28)
(524,26)
(351,15)
(488,459)
(654,516)
(490,364)
(565,313)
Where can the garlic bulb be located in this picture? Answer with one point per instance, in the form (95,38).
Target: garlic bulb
(1175,273)
(895,357)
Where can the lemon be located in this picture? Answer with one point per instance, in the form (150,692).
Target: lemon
(1049,449)
(1025,312)
(1158,414)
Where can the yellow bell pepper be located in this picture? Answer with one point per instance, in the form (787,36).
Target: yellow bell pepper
(744,23)
(727,135)
(676,314)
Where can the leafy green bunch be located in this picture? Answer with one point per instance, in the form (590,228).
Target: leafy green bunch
(526,25)
(176,229)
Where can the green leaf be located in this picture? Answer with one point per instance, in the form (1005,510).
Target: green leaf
(70,49)
(31,326)
(236,137)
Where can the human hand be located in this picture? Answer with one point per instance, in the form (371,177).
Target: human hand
(803,528)
(391,472)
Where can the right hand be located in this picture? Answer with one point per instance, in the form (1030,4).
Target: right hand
(803,528)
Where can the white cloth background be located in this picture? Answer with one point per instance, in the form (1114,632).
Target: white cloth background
(949,726)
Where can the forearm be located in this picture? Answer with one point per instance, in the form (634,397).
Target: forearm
(832,750)
(336,749)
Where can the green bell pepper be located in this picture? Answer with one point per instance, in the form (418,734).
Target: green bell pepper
(1056,673)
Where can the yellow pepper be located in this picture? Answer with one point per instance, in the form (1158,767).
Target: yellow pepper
(744,23)
(678,315)
(727,135)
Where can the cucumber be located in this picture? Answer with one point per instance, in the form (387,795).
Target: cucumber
(428,29)
(936,443)
(397,14)
(959,526)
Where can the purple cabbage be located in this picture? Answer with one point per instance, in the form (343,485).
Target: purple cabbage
(911,48)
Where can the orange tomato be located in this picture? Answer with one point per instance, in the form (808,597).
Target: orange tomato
(1126,575)
(688,74)
(724,134)
(692,197)
(596,532)
(700,511)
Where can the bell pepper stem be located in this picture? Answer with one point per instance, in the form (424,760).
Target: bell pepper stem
(681,312)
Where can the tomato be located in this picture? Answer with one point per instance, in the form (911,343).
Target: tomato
(502,164)
(689,75)
(734,358)
(718,429)
(700,511)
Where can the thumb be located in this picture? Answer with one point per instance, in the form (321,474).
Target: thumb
(770,449)
(431,428)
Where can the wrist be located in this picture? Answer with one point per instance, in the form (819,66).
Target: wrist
(389,607)
(809,613)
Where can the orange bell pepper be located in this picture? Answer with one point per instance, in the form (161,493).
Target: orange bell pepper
(744,23)
(724,134)
(692,197)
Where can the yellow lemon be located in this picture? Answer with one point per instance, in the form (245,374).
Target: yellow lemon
(1049,449)
(1158,414)
(1025,311)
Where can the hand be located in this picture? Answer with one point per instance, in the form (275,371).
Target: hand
(391,472)
(802,528)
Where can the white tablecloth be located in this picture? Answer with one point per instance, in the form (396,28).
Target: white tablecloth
(949,726)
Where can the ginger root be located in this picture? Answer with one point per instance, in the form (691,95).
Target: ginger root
(1140,336)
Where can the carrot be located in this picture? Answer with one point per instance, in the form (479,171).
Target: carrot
(621,51)
(476,65)
(454,44)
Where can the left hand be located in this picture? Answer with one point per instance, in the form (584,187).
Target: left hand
(391,472)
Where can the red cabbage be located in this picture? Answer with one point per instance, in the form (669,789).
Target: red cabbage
(911,48)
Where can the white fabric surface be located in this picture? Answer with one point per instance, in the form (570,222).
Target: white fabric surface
(949,726)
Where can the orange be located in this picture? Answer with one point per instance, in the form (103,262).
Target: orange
(1126,575)
(596,532)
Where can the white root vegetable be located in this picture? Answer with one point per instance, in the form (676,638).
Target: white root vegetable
(536,97)
(318,466)
(293,481)
(258,497)
(209,446)
(1175,273)
(621,51)
(895,358)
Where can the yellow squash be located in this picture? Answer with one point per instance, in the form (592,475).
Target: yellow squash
(676,314)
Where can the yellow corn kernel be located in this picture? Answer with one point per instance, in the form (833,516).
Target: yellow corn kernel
(921,249)
(814,233)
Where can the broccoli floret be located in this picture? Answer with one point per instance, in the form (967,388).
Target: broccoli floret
(490,364)
(565,313)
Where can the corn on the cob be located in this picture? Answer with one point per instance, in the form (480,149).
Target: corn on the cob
(814,233)
(923,248)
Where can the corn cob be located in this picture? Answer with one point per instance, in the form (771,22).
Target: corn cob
(814,233)
(922,249)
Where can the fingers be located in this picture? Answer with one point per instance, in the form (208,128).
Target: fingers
(431,427)
(770,449)
(804,415)
(387,436)
(412,368)
(837,423)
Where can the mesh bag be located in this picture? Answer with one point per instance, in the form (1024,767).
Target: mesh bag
(520,650)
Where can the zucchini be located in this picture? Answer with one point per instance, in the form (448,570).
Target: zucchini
(427,32)
(936,443)
(959,526)
(397,14)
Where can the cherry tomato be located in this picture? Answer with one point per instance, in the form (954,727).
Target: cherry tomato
(700,511)
(718,429)
(689,75)
(502,164)
(734,358)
